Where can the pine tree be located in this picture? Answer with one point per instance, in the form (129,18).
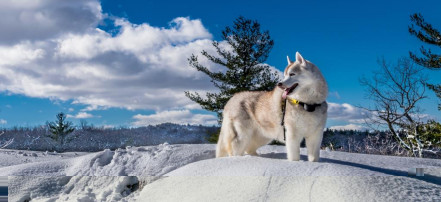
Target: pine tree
(432,36)
(60,128)
(248,50)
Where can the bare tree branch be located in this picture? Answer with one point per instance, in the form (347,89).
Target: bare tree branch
(396,91)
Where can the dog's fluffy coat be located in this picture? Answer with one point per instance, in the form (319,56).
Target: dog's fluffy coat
(252,119)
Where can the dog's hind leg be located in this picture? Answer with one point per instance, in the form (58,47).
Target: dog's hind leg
(243,136)
(221,149)
(258,141)
(226,137)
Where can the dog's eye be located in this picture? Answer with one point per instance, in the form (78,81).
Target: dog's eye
(292,74)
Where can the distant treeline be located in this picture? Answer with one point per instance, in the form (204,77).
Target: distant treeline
(369,142)
(89,138)
(373,142)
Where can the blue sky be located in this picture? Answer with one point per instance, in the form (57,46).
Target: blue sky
(123,63)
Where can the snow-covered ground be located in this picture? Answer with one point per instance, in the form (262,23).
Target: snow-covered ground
(190,173)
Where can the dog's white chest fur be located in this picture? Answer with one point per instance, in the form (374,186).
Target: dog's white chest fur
(304,122)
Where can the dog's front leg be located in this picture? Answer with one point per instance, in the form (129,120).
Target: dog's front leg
(292,145)
(313,144)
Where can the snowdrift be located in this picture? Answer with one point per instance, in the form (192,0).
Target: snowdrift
(190,173)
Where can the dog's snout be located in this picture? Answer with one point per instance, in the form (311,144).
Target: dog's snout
(279,84)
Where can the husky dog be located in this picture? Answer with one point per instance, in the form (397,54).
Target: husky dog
(252,119)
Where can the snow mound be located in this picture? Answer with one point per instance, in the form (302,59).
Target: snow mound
(256,166)
(138,161)
(191,173)
(68,188)
(339,176)
(290,188)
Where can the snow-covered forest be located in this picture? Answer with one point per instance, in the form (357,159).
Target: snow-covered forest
(92,139)
(97,139)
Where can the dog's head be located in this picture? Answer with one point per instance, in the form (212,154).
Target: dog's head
(298,73)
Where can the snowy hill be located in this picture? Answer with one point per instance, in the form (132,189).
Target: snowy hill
(190,173)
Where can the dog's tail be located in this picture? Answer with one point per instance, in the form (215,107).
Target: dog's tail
(226,137)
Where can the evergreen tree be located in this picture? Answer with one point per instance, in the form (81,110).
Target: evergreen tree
(431,36)
(243,59)
(60,128)
(430,133)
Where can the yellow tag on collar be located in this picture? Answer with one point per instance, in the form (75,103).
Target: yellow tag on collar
(294,101)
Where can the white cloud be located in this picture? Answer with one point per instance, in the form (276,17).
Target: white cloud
(141,67)
(176,116)
(51,49)
(108,126)
(347,112)
(334,94)
(423,117)
(46,19)
(349,127)
(2,121)
(80,115)
(356,117)
(71,109)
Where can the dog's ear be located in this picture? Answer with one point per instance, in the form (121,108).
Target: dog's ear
(289,60)
(300,59)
